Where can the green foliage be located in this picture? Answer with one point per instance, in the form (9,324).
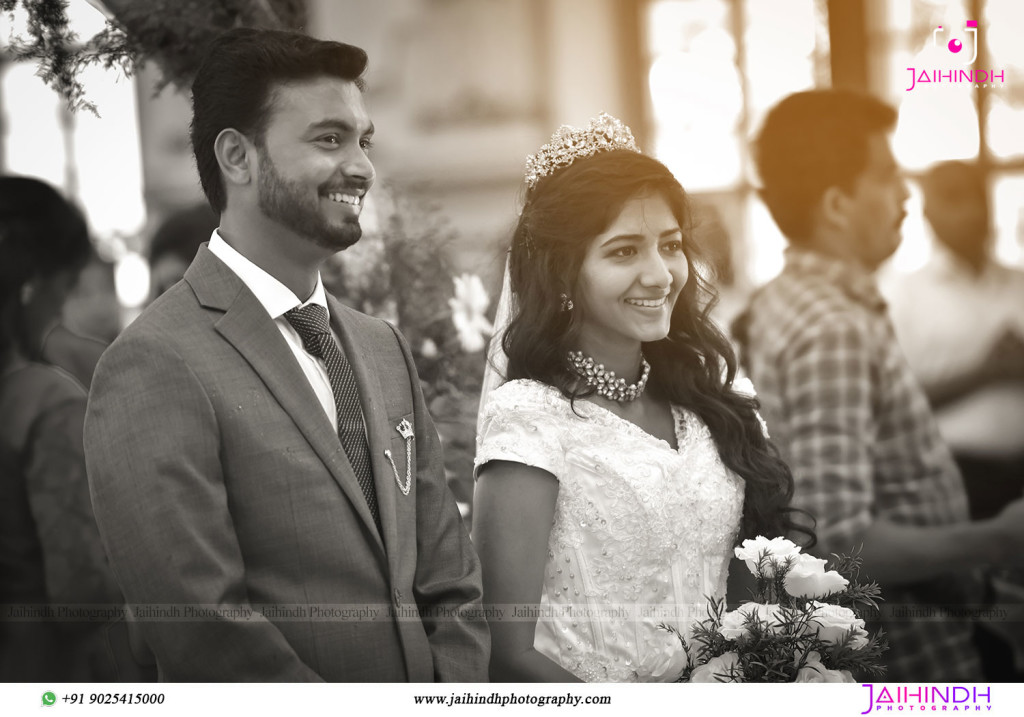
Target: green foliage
(776,650)
(173,34)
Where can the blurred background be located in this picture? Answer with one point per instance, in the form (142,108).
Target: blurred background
(462,90)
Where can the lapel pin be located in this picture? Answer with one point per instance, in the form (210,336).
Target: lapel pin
(404,429)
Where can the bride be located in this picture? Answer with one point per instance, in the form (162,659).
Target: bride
(617,466)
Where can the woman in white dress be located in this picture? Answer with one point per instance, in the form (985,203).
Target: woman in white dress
(617,466)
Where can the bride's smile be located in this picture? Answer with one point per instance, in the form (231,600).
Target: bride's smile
(629,281)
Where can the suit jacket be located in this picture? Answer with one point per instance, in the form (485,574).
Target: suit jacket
(219,484)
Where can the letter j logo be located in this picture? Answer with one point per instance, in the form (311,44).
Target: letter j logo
(955,45)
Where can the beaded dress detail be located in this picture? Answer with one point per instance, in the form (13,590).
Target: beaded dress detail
(642,531)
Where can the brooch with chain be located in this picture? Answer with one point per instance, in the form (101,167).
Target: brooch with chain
(404,429)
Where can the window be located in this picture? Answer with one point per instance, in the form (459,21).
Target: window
(714,68)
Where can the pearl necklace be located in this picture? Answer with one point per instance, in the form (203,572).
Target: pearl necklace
(605,382)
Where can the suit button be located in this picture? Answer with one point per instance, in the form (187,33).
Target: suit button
(398,596)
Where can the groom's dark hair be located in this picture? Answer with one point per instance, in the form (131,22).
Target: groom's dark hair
(234,87)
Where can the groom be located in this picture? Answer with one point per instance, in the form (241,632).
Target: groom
(265,476)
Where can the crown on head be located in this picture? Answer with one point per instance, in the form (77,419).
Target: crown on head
(604,133)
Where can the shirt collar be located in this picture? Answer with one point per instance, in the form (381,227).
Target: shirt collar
(275,297)
(854,280)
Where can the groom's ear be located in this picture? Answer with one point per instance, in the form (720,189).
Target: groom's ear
(236,157)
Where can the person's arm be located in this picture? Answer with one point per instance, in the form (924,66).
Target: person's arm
(829,401)
(896,554)
(75,565)
(153,453)
(514,505)
(447,582)
(1004,362)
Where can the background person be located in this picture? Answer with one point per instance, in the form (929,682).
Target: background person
(960,322)
(867,457)
(50,550)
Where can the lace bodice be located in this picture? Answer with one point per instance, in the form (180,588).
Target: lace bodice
(642,532)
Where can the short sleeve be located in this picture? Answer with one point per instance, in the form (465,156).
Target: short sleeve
(522,423)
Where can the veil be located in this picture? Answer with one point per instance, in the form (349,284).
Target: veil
(497,361)
(567,144)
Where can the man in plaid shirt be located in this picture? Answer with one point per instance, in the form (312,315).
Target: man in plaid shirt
(839,398)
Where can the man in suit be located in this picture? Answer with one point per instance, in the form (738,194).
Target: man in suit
(271,483)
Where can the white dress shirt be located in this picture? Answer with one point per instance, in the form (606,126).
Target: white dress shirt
(947,319)
(278,299)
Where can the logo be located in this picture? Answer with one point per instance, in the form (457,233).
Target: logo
(955,46)
(947,698)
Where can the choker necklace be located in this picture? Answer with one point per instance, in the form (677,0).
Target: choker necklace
(605,382)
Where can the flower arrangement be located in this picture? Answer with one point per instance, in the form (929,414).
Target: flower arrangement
(805,624)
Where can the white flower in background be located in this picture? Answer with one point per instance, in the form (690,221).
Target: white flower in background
(814,671)
(778,550)
(428,349)
(734,622)
(469,307)
(832,622)
(725,666)
(808,578)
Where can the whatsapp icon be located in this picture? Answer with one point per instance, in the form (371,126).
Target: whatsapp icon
(49,699)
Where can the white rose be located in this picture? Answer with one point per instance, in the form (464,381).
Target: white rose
(777,549)
(734,622)
(665,657)
(468,312)
(721,667)
(814,671)
(428,349)
(832,622)
(808,578)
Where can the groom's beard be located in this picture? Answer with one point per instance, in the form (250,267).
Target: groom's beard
(291,205)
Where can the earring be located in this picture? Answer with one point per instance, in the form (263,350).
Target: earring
(566,303)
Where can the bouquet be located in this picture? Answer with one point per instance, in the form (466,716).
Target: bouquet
(805,624)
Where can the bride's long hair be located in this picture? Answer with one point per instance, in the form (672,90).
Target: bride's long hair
(694,366)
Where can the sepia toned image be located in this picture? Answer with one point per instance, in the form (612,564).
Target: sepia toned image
(521,341)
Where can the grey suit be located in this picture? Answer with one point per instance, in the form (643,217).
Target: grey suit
(217,480)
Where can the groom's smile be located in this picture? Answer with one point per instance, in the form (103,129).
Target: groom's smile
(314,169)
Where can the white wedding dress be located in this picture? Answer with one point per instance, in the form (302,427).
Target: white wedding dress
(642,532)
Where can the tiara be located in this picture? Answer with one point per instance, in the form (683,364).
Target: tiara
(604,133)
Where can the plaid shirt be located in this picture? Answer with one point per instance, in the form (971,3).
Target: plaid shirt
(858,433)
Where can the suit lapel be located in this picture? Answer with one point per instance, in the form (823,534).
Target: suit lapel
(360,350)
(246,325)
